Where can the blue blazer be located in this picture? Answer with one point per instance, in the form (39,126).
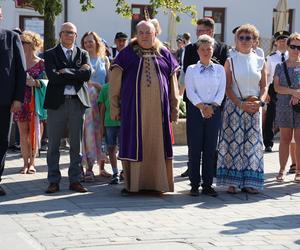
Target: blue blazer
(12,68)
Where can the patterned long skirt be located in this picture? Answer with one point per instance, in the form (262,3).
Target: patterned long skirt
(240,158)
(91,141)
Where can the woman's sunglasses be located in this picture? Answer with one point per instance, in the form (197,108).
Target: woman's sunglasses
(294,47)
(245,38)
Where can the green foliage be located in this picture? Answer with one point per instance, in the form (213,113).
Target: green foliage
(177,6)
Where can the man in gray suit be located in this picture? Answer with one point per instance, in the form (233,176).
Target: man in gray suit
(68,68)
(12,84)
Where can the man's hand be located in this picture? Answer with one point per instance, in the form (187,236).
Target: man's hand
(16,106)
(85,67)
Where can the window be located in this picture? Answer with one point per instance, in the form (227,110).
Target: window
(218,15)
(138,14)
(32,23)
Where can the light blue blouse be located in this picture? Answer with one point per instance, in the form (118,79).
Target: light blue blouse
(99,71)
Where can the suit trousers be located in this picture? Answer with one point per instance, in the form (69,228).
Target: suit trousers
(203,138)
(4,135)
(268,134)
(69,115)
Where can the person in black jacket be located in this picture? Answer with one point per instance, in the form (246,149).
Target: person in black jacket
(221,53)
(12,82)
(67,68)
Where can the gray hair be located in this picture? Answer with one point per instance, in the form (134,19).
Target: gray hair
(205,39)
(147,23)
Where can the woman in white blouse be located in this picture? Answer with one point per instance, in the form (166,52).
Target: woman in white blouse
(205,88)
(240,159)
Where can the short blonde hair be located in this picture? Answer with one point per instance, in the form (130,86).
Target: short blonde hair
(292,37)
(205,39)
(32,38)
(248,28)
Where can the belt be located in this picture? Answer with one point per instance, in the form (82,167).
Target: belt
(71,96)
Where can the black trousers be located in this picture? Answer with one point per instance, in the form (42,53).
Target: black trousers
(4,135)
(202,143)
(268,133)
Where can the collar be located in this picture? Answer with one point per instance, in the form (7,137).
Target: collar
(65,49)
(279,53)
(210,66)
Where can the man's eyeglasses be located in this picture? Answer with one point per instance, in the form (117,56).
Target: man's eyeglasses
(294,47)
(68,33)
(245,38)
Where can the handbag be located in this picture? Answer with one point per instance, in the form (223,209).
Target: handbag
(296,107)
(251,98)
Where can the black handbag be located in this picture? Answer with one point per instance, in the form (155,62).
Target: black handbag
(296,107)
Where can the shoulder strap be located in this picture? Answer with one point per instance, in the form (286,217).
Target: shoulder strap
(287,74)
(233,74)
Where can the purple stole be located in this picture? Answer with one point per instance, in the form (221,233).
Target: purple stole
(131,124)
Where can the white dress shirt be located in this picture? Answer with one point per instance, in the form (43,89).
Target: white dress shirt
(69,89)
(205,84)
(272,60)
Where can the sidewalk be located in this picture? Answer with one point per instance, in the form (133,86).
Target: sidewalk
(102,219)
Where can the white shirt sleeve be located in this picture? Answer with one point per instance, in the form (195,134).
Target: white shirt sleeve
(190,87)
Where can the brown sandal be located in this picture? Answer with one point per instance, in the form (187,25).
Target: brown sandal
(24,170)
(250,190)
(280,177)
(293,169)
(31,170)
(231,190)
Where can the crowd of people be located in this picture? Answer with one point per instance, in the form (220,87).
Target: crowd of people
(123,102)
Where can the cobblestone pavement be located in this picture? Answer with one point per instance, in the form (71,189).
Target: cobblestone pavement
(102,219)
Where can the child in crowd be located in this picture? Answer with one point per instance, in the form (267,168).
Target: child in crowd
(111,129)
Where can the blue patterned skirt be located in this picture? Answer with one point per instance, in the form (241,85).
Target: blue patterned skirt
(240,158)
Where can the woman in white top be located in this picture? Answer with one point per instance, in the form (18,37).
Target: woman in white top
(240,158)
(205,88)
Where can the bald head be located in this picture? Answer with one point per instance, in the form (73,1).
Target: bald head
(68,34)
(68,25)
(146,34)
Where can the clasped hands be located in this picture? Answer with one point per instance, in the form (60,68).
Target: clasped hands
(207,111)
(250,107)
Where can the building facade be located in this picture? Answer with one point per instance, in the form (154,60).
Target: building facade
(103,19)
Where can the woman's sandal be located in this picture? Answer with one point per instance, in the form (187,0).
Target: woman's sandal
(250,190)
(231,190)
(105,174)
(31,170)
(297,177)
(292,169)
(24,170)
(280,177)
(89,176)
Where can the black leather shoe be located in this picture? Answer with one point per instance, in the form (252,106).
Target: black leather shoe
(268,149)
(194,192)
(185,173)
(2,191)
(209,191)
(52,188)
(77,187)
